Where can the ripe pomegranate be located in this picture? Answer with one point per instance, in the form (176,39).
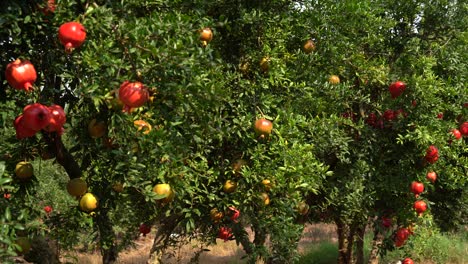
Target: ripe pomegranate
(386,221)
(36,116)
(206,34)
(234,214)
(225,233)
(456,133)
(440,116)
(399,243)
(133,95)
(57,119)
(21,75)
(417,188)
(371,119)
(397,88)
(71,35)
(21,130)
(263,127)
(420,206)
(47,209)
(402,234)
(432,154)
(464,129)
(407,261)
(49,7)
(308,46)
(145,229)
(334,79)
(389,115)
(7,196)
(431,176)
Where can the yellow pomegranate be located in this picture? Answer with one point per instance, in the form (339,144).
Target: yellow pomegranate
(142,126)
(88,202)
(216,215)
(267,184)
(96,128)
(334,79)
(230,186)
(308,46)
(265,198)
(24,170)
(164,189)
(76,187)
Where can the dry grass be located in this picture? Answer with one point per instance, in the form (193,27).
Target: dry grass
(221,253)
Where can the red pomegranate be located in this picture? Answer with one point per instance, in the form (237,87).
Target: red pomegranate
(234,214)
(371,119)
(389,115)
(464,129)
(21,75)
(386,221)
(21,130)
(397,88)
(145,229)
(420,206)
(36,116)
(49,7)
(133,95)
(399,243)
(417,188)
(408,261)
(432,154)
(225,233)
(71,35)
(456,133)
(57,119)
(402,234)
(47,209)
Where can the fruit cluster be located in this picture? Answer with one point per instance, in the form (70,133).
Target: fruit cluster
(36,117)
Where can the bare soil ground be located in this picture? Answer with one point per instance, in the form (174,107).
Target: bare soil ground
(221,253)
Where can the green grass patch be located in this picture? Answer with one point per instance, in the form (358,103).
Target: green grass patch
(322,253)
(425,247)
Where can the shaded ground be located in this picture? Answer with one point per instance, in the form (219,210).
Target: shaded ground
(221,253)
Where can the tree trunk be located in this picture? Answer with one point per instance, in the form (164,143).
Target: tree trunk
(376,243)
(165,228)
(360,232)
(343,241)
(350,238)
(42,252)
(106,237)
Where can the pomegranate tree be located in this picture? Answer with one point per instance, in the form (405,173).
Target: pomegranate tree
(133,95)
(72,35)
(21,75)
